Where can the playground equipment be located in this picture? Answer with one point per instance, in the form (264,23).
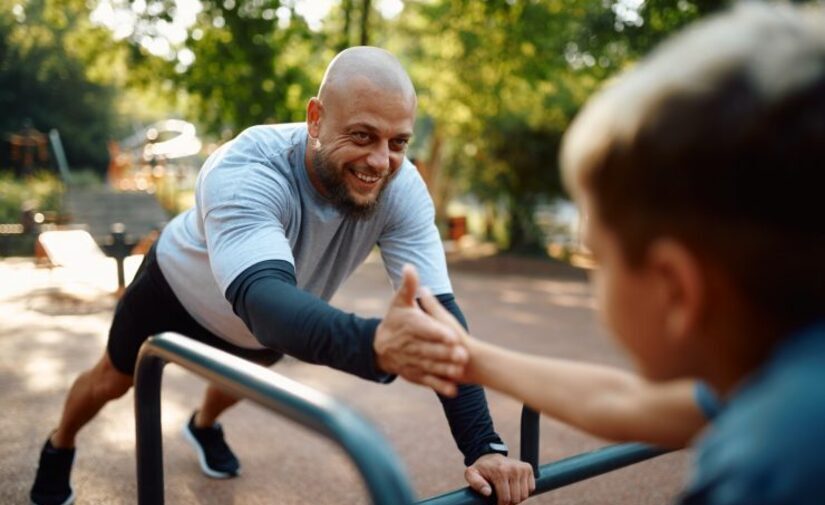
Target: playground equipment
(385,481)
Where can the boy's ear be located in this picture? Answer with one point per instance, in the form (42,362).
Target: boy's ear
(683,288)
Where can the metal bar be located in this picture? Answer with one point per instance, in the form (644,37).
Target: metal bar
(529,450)
(149,443)
(60,155)
(383,476)
(561,473)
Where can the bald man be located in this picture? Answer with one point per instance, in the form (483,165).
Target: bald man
(283,215)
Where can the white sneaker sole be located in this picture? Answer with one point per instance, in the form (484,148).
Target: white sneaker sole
(68,501)
(202,459)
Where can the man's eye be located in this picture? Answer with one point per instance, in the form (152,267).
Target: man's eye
(400,144)
(360,137)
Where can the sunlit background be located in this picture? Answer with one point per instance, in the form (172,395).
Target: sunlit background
(132,95)
(108,108)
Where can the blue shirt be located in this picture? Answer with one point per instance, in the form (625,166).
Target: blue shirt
(767,442)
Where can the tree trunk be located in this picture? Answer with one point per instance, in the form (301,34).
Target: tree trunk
(525,235)
(365,22)
(439,189)
(345,39)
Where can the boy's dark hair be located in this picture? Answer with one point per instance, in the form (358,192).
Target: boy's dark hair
(718,139)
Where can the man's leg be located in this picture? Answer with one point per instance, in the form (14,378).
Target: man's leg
(215,402)
(215,457)
(139,313)
(89,393)
(91,390)
(204,432)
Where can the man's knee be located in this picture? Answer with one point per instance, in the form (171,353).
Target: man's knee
(108,382)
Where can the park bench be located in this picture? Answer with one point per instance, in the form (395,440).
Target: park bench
(77,263)
(386,482)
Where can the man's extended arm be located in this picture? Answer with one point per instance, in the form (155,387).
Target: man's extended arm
(467,413)
(290,320)
(488,467)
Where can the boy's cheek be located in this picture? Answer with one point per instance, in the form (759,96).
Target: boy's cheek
(632,316)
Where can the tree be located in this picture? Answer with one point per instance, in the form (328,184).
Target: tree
(48,50)
(502,80)
(498,81)
(243,62)
(495,77)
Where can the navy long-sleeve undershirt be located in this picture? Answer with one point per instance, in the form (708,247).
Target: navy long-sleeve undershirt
(284,318)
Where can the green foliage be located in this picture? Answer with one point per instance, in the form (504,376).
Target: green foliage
(248,68)
(47,50)
(499,81)
(502,81)
(42,191)
(664,17)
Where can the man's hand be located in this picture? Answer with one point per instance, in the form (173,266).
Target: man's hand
(512,479)
(410,343)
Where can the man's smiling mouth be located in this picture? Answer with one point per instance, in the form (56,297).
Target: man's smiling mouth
(369,179)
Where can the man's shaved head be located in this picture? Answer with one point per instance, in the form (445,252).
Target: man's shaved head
(359,127)
(357,64)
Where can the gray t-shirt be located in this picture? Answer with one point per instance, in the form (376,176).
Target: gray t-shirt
(254,202)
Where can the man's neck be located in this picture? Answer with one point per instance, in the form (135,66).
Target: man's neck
(310,167)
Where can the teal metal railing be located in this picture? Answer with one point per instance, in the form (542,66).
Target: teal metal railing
(383,475)
(385,480)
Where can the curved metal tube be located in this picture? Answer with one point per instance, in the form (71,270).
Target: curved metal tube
(563,472)
(529,446)
(385,480)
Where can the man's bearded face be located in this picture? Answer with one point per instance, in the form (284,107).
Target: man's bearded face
(343,183)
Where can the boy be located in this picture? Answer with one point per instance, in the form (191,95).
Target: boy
(701,175)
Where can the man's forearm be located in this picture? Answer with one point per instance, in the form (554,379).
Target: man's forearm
(467,414)
(287,319)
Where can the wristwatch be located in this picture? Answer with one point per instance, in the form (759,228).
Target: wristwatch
(495,447)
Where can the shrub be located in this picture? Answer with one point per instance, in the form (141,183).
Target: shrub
(42,191)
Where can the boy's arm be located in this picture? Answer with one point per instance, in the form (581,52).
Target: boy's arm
(604,401)
(607,402)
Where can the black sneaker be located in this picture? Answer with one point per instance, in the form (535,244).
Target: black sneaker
(215,457)
(51,485)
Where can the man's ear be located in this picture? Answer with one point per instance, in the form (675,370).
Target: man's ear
(683,288)
(315,110)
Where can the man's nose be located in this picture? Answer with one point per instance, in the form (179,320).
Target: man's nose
(379,158)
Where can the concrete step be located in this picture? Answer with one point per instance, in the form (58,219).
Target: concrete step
(97,209)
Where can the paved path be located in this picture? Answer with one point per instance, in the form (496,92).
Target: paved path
(45,341)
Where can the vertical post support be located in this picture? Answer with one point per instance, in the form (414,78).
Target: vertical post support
(120,249)
(60,155)
(148,425)
(530,438)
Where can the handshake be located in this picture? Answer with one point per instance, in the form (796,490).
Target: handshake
(421,341)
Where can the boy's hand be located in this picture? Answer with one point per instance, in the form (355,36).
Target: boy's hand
(417,347)
(512,479)
(433,307)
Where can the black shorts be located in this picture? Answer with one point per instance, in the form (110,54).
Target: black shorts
(148,307)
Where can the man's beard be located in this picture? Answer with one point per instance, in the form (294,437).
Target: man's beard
(337,191)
